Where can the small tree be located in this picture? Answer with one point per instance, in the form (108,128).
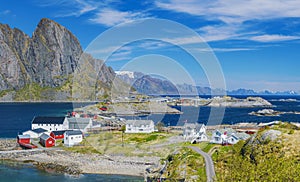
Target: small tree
(123,129)
(160,126)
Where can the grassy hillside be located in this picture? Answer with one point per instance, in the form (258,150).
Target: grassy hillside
(261,160)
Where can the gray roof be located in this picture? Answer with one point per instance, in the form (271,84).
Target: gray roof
(48,120)
(60,132)
(138,123)
(195,126)
(44,136)
(79,120)
(23,136)
(39,130)
(78,123)
(73,132)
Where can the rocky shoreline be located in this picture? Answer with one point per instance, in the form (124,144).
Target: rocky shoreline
(61,161)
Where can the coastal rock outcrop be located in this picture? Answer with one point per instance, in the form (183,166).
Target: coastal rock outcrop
(234,102)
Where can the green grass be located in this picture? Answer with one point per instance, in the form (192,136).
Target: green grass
(133,144)
(185,164)
(259,161)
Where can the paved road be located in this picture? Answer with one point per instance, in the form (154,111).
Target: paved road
(209,165)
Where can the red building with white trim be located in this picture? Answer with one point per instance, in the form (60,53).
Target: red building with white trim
(23,139)
(47,141)
(57,134)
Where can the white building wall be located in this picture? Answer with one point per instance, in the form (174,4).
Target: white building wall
(52,127)
(142,129)
(31,133)
(70,140)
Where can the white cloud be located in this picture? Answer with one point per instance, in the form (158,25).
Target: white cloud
(5,12)
(73,7)
(220,32)
(225,49)
(111,17)
(151,45)
(273,38)
(236,11)
(184,40)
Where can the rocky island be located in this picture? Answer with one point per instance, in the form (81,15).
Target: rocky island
(225,101)
(271,112)
(234,102)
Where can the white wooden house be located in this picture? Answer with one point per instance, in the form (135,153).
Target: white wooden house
(218,137)
(73,137)
(228,136)
(50,123)
(232,139)
(194,132)
(139,126)
(36,133)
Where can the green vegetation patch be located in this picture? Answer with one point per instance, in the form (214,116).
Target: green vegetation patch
(112,143)
(257,160)
(140,138)
(185,164)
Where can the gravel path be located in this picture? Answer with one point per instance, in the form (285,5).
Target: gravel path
(210,170)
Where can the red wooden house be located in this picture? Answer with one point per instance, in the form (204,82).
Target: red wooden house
(23,139)
(57,134)
(47,141)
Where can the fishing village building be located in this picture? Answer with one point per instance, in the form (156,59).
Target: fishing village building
(47,141)
(72,138)
(57,134)
(82,124)
(36,133)
(139,126)
(195,132)
(50,123)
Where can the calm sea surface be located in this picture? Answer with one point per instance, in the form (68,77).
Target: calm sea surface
(17,117)
(14,172)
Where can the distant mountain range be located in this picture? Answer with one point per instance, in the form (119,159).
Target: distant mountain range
(150,85)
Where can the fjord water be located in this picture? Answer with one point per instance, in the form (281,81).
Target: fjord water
(18,172)
(232,115)
(17,117)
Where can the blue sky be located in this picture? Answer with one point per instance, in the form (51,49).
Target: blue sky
(256,42)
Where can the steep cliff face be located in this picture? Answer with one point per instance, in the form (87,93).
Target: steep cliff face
(13,46)
(48,59)
(53,53)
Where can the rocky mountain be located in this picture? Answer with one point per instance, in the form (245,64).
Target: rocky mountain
(147,84)
(252,92)
(41,67)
